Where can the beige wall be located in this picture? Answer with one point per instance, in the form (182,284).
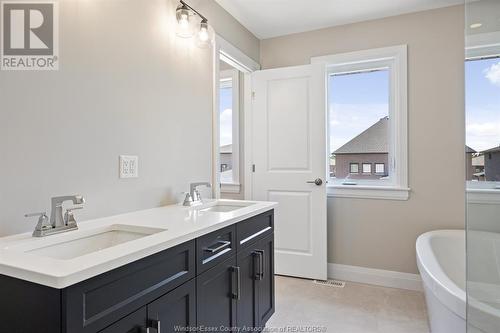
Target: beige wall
(126,85)
(381,233)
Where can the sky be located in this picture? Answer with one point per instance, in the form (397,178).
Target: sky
(356,101)
(482,106)
(226,116)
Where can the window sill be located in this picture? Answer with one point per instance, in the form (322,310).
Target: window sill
(230,188)
(483,196)
(368,192)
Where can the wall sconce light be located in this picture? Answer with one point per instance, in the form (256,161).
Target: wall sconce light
(186,26)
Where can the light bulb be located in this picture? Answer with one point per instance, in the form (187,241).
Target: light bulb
(184,27)
(203,39)
(184,20)
(203,34)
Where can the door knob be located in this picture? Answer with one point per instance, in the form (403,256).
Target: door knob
(317,181)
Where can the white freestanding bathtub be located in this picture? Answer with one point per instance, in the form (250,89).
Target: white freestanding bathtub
(441,262)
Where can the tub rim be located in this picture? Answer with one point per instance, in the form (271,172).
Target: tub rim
(434,278)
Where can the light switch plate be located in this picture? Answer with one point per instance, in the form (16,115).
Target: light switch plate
(129,166)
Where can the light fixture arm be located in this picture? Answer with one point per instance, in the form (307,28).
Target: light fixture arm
(203,18)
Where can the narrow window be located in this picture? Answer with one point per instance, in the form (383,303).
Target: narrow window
(228,124)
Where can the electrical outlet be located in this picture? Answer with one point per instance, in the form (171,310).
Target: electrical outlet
(129,166)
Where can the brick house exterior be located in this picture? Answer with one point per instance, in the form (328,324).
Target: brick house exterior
(368,148)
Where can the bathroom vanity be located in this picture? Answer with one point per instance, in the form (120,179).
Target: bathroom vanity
(198,268)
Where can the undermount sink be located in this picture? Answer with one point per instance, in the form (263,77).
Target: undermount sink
(92,241)
(223,206)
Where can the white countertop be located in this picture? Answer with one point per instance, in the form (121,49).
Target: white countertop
(181,223)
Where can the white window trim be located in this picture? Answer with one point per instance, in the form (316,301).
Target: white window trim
(233,74)
(482,45)
(230,54)
(394,58)
(483,196)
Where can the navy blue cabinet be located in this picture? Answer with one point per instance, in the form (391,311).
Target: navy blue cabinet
(257,302)
(221,280)
(175,311)
(217,295)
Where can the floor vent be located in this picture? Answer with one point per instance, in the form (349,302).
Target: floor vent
(331,283)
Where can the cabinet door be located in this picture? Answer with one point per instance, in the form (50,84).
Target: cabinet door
(175,311)
(266,280)
(247,308)
(216,293)
(133,323)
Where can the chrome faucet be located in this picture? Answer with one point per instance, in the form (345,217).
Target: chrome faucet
(193,198)
(56,215)
(57,223)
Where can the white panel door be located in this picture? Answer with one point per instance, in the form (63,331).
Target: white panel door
(289,154)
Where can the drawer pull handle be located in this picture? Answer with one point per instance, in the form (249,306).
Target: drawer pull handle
(243,241)
(222,244)
(258,257)
(236,270)
(260,273)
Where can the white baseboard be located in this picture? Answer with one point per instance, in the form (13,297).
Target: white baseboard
(373,276)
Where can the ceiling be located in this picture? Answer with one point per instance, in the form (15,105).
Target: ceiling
(272,18)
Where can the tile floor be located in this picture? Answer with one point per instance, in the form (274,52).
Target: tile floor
(356,308)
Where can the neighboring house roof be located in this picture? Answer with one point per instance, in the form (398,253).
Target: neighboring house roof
(469,150)
(372,140)
(478,161)
(492,150)
(226,149)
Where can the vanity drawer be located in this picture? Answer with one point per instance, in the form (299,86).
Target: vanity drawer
(215,247)
(255,228)
(92,305)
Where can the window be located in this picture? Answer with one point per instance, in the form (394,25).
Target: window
(367,168)
(367,121)
(359,120)
(380,168)
(353,168)
(482,89)
(228,124)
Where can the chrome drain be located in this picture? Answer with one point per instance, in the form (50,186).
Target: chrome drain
(331,283)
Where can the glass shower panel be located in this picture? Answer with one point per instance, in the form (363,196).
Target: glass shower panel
(482,150)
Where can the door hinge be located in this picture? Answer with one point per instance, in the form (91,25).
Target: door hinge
(253,167)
